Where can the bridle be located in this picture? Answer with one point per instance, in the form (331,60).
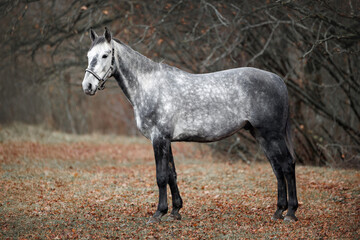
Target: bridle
(106,75)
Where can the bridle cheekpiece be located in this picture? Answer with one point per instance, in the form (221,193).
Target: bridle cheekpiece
(106,75)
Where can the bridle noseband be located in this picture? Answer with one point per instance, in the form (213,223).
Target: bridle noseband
(105,77)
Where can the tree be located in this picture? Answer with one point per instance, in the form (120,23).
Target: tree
(314,45)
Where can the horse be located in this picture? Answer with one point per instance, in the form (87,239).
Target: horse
(172,105)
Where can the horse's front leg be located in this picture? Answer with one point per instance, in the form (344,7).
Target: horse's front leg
(161,150)
(175,194)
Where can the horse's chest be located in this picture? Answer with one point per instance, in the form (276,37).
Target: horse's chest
(144,122)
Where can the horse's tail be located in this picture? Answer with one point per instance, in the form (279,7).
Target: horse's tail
(288,139)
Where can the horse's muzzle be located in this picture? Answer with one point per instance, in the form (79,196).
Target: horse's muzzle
(90,92)
(89,89)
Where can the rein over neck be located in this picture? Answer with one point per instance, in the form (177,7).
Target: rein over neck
(106,75)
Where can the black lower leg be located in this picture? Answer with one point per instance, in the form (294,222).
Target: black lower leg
(282,203)
(175,194)
(275,149)
(291,183)
(161,150)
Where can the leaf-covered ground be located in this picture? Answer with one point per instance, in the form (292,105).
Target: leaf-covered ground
(59,186)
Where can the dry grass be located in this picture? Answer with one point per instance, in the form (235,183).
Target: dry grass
(54,185)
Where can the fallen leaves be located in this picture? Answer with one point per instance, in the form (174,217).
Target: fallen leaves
(89,190)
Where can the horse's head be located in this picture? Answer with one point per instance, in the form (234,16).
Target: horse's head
(101,62)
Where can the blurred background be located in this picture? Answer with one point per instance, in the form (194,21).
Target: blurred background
(313,45)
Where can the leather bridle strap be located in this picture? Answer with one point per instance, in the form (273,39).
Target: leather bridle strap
(106,75)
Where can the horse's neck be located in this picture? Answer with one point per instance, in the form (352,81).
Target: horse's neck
(130,67)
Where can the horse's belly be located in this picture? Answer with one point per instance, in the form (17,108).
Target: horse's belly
(207,131)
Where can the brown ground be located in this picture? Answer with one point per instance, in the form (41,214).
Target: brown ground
(57,186)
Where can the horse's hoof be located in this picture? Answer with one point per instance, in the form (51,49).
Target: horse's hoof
(290,218)
(174,217)
(277,215)
(154,220)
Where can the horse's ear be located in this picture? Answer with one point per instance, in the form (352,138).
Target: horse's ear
(107,35)
(93,34)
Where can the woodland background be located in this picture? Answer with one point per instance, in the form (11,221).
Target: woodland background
(313,45)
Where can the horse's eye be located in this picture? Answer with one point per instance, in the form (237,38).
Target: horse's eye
(104,56)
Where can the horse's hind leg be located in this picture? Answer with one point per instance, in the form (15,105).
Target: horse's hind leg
(175,194)
(275,148)
(282,203)
(291,182)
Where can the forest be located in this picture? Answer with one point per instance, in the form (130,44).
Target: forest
(313,45)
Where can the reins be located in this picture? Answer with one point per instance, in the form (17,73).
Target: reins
(105,77)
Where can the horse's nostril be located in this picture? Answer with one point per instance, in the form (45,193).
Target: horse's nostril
(90,86)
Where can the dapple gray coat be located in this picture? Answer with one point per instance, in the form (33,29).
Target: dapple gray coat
(174,105)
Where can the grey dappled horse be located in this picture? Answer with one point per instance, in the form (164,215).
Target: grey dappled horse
(172,105)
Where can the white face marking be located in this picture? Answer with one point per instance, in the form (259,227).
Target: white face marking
(98,63)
